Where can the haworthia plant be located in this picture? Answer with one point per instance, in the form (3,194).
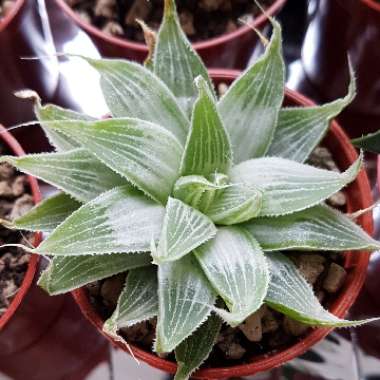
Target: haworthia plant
(191,195)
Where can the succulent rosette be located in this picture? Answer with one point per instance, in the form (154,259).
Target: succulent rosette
(198,198)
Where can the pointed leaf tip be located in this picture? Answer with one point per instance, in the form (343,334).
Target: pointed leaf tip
(251,105)
(290,294)
(236,267)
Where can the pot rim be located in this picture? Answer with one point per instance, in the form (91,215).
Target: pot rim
(16,148)
(4,22)
(203,45)
(339,308)
(372,4)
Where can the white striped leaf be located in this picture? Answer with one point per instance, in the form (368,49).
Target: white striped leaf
(191,353)
(75,172)
(319,228)
(47,215)
(137,302)
(199,192)
(50,113)
(236,267)
(175,60)
(146,154)
(185,299)
(130,90)
(120,220)
(250,107)
(235,205)
(290,294)
(208,147)
(289,186)
(67,273)
(300,130)
(184,229)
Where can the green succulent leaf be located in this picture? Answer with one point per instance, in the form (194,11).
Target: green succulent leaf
(250,107)
(146,154)
(76,172)
(67,273)
(290,294)
(236,267)
(208,147)
(175,60)
(192,352)
(130,90)
(47,215)
(301,129)
(184,229)
(137,302)
(185,300)
(50,112)
(319,228)
(289,186)
(235,205)
(121,220)
(370,142)
(199,192)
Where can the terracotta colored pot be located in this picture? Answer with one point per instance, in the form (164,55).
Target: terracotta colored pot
(9,141)
(25,32)
(229,50)
(359,196)
(339,28)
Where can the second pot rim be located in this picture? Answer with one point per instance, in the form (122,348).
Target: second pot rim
(16,149)
(339,308)
(201,45)
(5,21)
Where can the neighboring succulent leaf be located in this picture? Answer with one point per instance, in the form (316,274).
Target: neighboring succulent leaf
(208,147)
(250,107)
(199,192)
(146,154)
(120,220)
(236,267)
(130,90)
(290,294)
(235,205)
(137,302)
(370,142)
(320,228)
(67,273)
(47,215)
(49,113)
(175,60)
(192,352)
(300,130)
(185,300)
(184,229)
(289,186)
(76,172)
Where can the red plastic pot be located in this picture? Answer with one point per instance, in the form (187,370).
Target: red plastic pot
(8,140)
(339,28)
(230,50)
(25,32)
(359,197)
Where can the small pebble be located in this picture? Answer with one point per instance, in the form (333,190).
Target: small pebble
(293,327)
(335,278)
(310,266)
(252,327)
(111,289)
